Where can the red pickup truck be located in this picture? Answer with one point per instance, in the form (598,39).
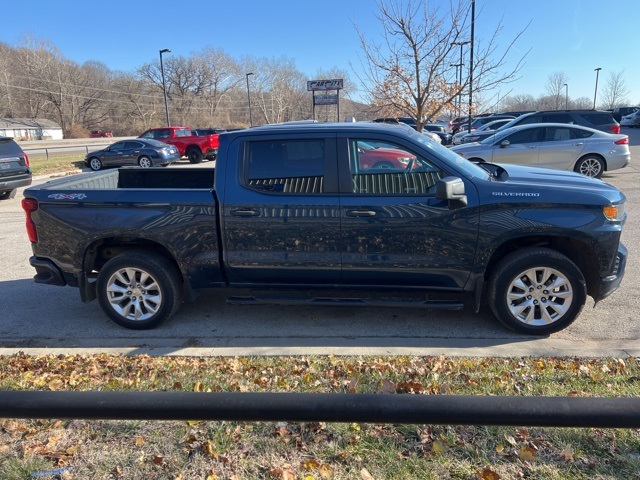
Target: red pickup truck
(194,147)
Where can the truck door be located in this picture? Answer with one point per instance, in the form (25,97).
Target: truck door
(281,224)
(394,231)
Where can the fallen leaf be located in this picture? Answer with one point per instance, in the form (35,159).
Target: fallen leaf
(527,454)
(325,471)
(387,386)
(567,453)
(439,447)
(158,459)
(140,441)
(364,473)
(310,464)
(488,474)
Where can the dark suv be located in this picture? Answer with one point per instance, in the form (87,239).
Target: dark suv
(600,120)
(14,168)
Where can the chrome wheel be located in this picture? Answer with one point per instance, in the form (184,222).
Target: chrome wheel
(95,164)
(134,294)
(539,296)
(145,162)
(590,167)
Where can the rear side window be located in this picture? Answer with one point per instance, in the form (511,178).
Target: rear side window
(9,148)
(285,166)
(559,118)
(530,119)
(598,118)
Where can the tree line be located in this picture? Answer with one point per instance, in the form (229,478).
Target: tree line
(205,89)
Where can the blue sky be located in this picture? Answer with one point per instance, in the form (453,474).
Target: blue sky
(569,36)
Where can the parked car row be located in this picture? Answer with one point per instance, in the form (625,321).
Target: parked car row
(632,120)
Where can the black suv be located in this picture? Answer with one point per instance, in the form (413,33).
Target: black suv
(14,168)
(600,120)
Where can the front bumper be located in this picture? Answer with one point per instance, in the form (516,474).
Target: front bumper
(610,283)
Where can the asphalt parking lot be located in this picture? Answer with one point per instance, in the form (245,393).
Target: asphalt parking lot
(39,318)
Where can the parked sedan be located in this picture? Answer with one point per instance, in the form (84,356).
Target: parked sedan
(552,145)
(142,152)
(632,120)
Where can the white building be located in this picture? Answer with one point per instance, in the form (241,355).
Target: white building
(30,129)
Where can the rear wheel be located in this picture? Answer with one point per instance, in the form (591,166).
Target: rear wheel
(383,165)
(590,166)
(536,291)
(139,290)
(145,162)
(194,155)
(7,194)
(95,164)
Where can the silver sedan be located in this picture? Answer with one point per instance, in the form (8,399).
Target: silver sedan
(552,145)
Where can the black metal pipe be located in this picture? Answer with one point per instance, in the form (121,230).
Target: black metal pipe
(316,407)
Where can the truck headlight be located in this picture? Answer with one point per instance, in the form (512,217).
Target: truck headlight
(614,212)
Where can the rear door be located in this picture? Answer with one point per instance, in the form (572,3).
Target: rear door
(281,211)
(560,147)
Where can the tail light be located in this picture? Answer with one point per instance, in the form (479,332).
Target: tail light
(622,141)
(26,159)
(30,205)
(615,129)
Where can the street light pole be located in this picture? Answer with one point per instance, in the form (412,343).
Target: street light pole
(473,26)
(566,96)
(249,98)
(461,44)
(164,85)
(458,105)
(597,70)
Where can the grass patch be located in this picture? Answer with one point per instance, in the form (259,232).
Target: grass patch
(56,163)
(289,450)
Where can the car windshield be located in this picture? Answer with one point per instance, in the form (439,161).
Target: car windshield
(462,164)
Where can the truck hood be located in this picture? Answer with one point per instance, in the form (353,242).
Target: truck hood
(560,182)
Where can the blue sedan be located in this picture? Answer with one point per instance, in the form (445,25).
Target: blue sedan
(142,152)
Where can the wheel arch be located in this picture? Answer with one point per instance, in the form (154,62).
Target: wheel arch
(592,154)
(100,251)
(580,252)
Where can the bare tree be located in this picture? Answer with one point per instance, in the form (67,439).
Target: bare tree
(408,72)
(555,89)
(615,91)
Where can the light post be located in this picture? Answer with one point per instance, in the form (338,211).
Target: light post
(461,44)
(597,70)
(249,98)
(458,103)
(164,85)
(566,96)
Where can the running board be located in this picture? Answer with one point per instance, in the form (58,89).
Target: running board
(347,302)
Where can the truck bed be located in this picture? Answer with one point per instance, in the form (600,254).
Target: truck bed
(137,178)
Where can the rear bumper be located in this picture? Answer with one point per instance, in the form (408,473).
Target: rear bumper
(211,153)
(6,185)
(610,283)
(47,272)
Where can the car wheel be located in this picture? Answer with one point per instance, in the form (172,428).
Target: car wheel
(139,290)
(536,291)
(95,164)
(145,162)
(383,165)
(7,194)
(194,155)
(590,166)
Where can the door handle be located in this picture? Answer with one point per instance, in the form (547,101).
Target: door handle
(361,213)
(578,144)
(245,212)
(532,146)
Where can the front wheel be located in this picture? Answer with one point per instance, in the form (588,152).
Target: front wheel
(536,291)
(145,162)
(95,164)
(590,166)
(194,155)
(139,290)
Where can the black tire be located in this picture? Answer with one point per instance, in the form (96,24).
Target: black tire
(590,166)
(157,283)
(194,155)
(95,164)
(145,162)
(524,304)
(7,194)
(383,165)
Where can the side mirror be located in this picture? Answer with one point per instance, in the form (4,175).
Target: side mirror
(452,190)
(505,143)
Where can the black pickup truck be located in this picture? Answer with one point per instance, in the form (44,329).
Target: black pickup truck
(332,214)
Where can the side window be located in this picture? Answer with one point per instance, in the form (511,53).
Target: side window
(557,134)
(164,133)
(530,119)
(380,167)
(559,118)
(577,133)
(529,135)
(133,145)
(285,166)
(151,134)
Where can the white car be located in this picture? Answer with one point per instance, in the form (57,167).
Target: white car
(552,145)
(631,120)
(491,126)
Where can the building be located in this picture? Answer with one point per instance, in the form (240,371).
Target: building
(30,129)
